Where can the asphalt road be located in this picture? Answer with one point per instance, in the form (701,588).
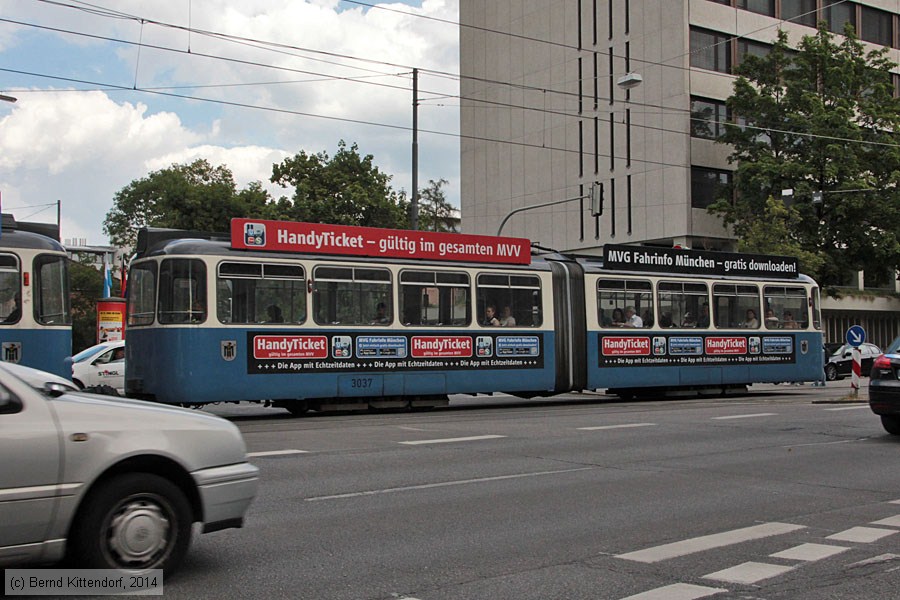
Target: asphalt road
(767,495)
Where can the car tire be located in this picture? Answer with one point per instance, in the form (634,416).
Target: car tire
(134,522)
(891,424)
(831,372)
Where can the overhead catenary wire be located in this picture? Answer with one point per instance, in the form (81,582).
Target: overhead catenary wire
(403,88)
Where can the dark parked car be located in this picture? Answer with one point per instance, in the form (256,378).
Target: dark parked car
(884,388)
(840,363)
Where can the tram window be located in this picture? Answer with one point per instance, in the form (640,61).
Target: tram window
(680,303)
(51,291)
(261,293)
(736,306)
(786,307)
(521,294)
(182,291)
(352,296)
(816,308)
(142,293)
(617,298)
(434,298)
(10,293)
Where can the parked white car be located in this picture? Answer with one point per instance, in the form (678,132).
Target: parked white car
(112,483)
(103,364)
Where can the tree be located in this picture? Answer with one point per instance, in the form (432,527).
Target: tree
(435,213)
(347,189)
(821,119)
(772,234)
(86,289)
(197,196)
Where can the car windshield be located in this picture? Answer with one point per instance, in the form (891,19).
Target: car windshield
(894,348)
(840,351)
(88,352)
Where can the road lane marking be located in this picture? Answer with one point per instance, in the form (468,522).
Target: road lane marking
(473,438)
(749,572)
(708,542)
(625,426)
(849,407)
(889,522)
(894,502)
(862,535)
(427,486)
(277,453)
(744,416)
(809,552)
(677,591)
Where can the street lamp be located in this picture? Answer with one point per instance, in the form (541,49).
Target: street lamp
(8,98)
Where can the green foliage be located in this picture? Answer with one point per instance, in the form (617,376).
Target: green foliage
(822,119)
(346,189)
(197,196)
(435,213)
(86,288)
(773,234)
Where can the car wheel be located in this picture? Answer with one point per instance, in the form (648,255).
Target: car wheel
(134,522)
(831,373)
(891,424)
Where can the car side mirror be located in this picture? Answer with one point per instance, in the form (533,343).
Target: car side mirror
(848,353)
(55,389)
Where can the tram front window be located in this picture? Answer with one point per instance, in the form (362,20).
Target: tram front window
(51,306)
(10,295)
(182,291)
(142,293)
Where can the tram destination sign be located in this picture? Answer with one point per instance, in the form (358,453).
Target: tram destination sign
(347,240)
(698,262)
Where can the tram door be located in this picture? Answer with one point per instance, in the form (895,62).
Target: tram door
(570,325)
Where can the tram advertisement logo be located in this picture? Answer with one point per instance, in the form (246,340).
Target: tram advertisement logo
(266,347)
(680,350)
(348,240)
(346,351)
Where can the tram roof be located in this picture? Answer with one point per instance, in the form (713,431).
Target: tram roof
(155,242)
(37,236)
(170,242)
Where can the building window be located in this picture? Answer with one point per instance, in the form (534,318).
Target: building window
(877,26)
(838,15)
(763,7)
(802,12)
(747,47)
(708,185)
(708,118)
(710,50)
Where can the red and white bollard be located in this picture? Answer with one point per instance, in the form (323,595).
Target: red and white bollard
(854,381)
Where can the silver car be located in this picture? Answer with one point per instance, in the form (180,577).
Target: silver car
(112,483)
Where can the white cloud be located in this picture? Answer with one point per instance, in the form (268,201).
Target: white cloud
(82,147)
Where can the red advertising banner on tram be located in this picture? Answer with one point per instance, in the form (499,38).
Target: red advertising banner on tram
(319,238)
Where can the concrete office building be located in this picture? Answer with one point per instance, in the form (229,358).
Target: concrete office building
(542,114)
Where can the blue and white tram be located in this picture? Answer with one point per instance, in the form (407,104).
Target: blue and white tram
(35,319)
(211,320)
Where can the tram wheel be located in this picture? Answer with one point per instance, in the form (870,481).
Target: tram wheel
(297,408)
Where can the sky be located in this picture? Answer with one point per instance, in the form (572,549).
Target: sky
(109,91)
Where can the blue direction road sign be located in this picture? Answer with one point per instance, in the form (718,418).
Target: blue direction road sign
(856,335)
